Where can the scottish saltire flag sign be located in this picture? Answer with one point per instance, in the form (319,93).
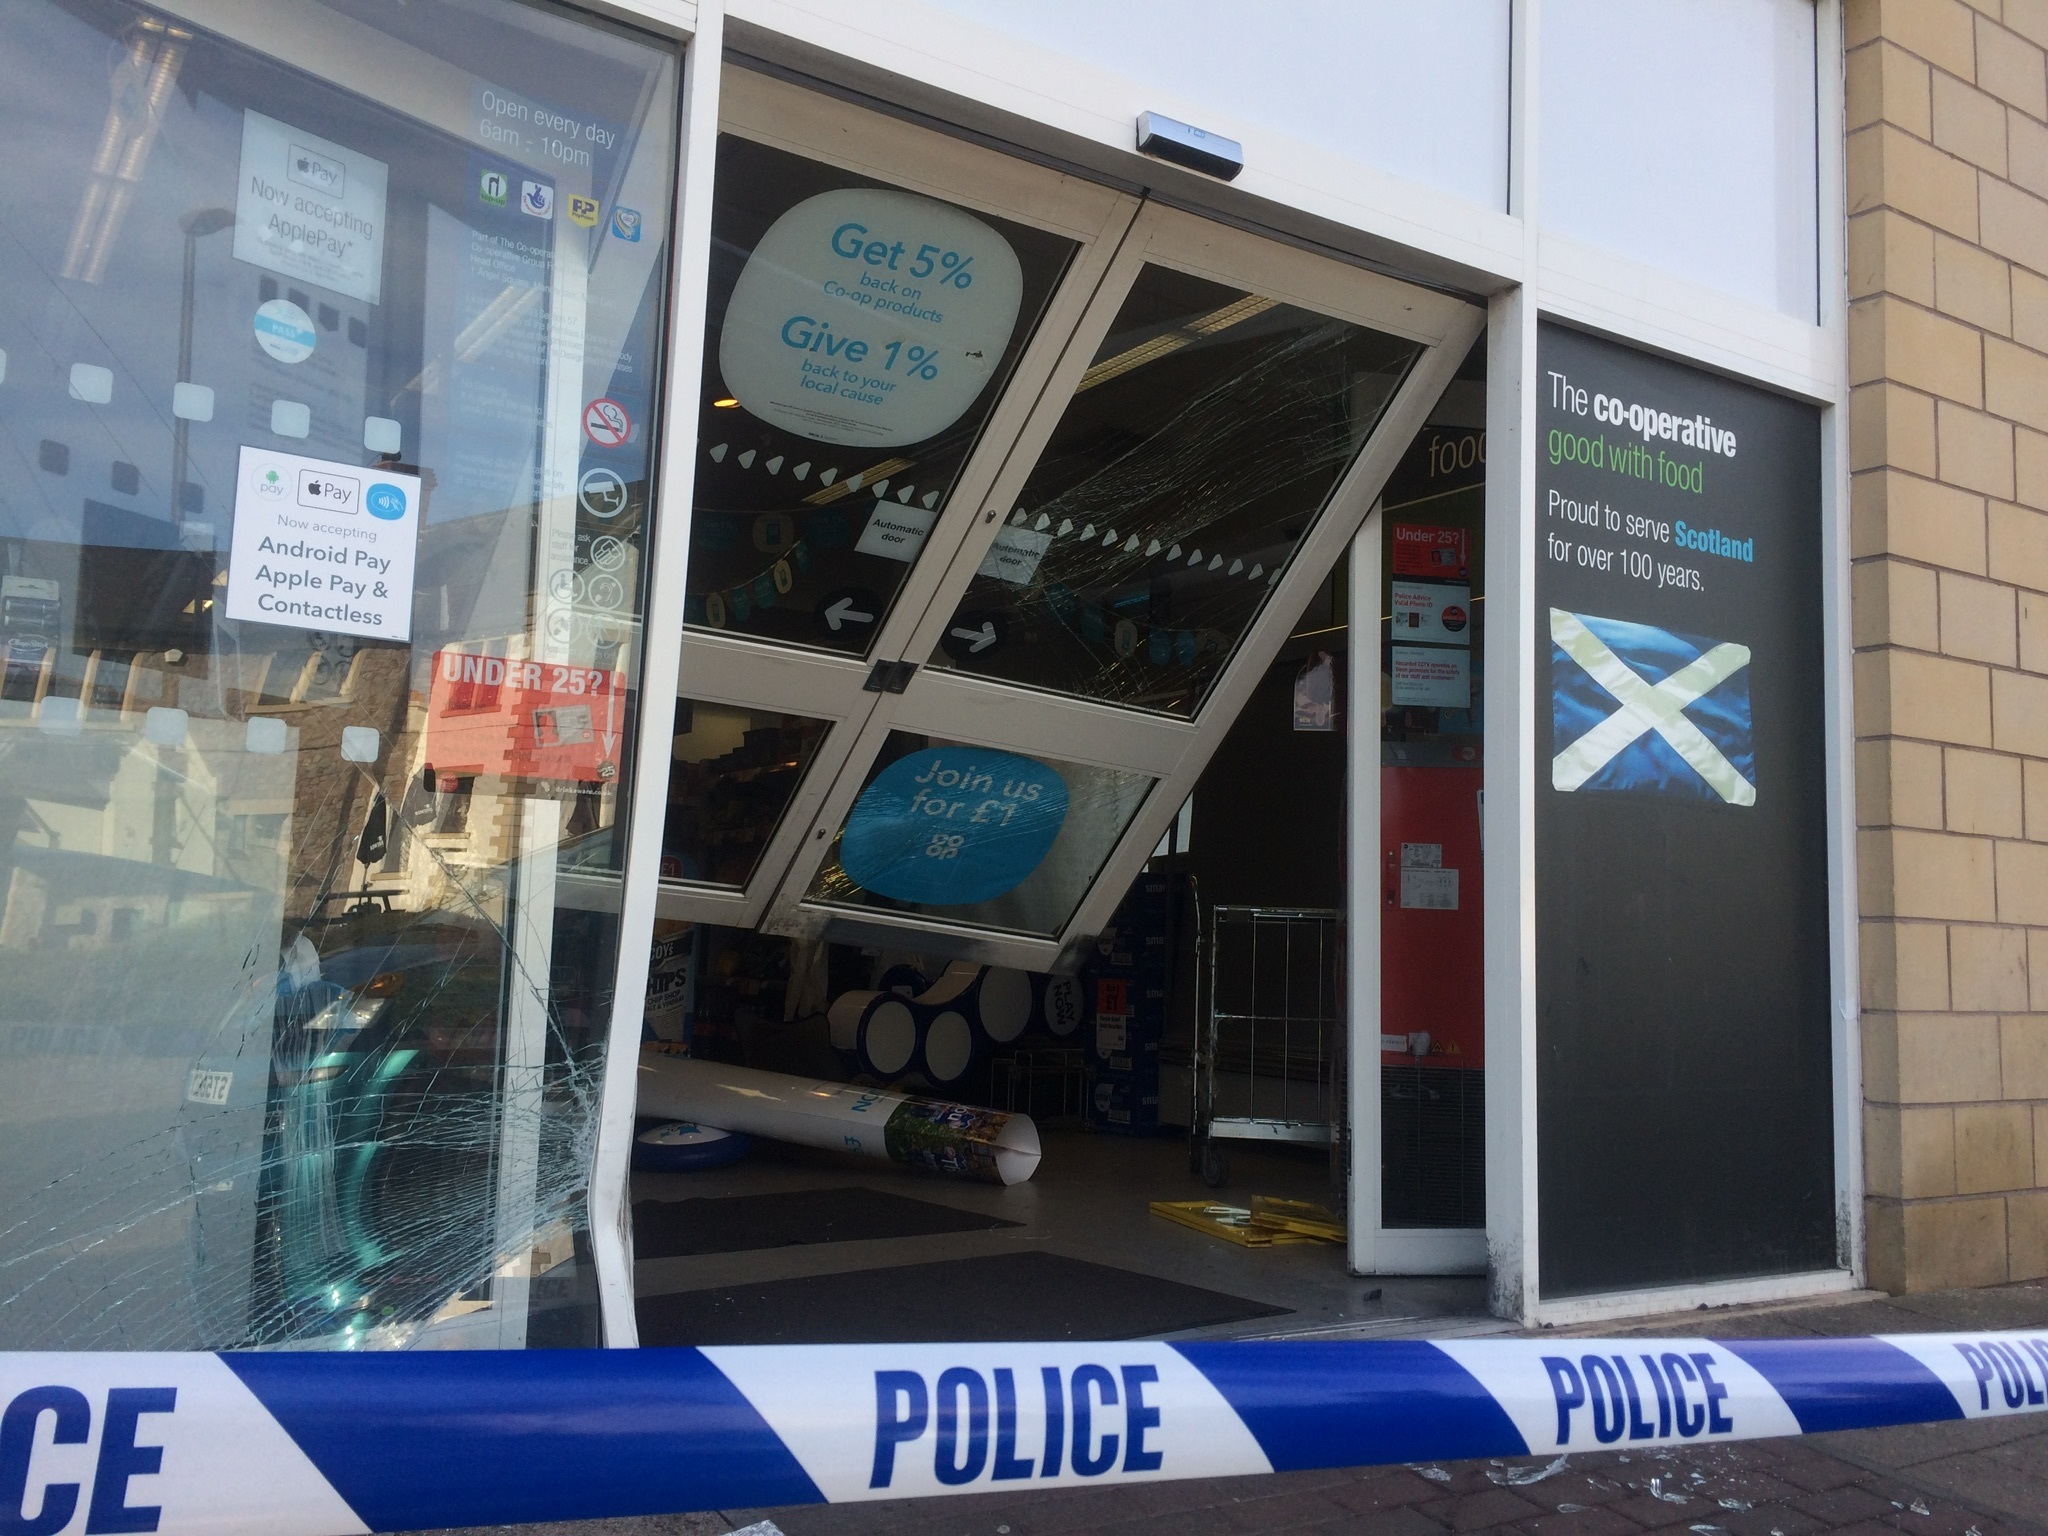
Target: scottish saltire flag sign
(1634,707)
(1685,1000)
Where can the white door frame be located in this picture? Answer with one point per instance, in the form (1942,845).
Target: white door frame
(1375,1249)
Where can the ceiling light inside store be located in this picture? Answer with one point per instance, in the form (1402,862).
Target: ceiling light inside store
(724,405)
(143,84)
(1136,357)
(1232,314)
(1172,341)
(852,483)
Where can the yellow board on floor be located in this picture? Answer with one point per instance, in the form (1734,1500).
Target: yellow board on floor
(1303,1218)
(1232,1223)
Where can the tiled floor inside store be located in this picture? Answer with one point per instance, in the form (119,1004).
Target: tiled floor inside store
(1088,1201)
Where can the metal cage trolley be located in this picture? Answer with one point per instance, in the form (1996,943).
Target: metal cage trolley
(1268,1053)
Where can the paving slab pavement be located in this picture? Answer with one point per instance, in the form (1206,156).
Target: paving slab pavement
(1983,1478)
(1998,1467)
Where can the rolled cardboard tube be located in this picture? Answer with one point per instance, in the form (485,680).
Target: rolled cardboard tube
(958,1139)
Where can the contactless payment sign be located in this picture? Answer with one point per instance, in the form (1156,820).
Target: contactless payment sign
(870,316)
(323,546)
(951,826)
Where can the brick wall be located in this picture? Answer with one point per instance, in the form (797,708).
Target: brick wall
(1948,353)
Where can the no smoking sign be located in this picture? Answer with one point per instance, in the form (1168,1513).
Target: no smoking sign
(606,422)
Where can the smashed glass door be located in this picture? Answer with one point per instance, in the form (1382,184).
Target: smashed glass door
(863,333)
(1211,436)
(327,384)
(1198,447)
(885,305)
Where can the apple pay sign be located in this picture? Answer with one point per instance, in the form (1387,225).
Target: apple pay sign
(323,546)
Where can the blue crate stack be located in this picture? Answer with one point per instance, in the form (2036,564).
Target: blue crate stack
(1124,989)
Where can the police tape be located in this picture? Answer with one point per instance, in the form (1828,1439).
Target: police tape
(317,1444)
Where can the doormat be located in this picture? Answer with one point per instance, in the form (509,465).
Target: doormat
(1033,1295)
(677,1229)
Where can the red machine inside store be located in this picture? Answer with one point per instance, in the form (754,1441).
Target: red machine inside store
(1432,990)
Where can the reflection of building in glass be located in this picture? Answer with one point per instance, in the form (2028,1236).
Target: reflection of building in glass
(299,1027)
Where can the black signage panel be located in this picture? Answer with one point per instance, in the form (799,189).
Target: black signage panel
(1684,1103)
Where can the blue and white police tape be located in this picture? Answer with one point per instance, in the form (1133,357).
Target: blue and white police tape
(290,1444)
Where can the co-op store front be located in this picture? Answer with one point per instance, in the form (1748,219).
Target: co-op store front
(516,509)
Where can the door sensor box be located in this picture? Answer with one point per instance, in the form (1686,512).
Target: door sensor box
(1184,144)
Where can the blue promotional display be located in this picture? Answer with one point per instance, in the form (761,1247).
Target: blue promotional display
(682,1146)
(868,315)
(306,1444)
(950,826)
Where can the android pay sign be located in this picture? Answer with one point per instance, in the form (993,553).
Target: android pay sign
(323,546)
(871,317)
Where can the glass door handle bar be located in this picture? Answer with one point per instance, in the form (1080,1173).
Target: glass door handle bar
(889,677)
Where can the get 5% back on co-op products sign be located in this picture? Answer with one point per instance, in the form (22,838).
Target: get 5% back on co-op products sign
(871,317)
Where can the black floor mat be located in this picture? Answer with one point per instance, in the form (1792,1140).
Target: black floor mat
(675,1229)
(1032,1295)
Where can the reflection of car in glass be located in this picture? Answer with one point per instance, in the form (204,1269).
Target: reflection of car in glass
(383,1123)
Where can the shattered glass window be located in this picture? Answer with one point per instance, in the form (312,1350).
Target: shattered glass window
(326,384)
(1198,449)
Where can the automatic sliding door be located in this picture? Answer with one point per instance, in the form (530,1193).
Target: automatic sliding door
(1206,445)
(884,305)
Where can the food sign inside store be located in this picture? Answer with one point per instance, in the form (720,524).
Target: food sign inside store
(951,826)
(870,317)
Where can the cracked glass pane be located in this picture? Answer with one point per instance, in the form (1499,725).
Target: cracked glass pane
(857,339)
(1198,449)
(326,384)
